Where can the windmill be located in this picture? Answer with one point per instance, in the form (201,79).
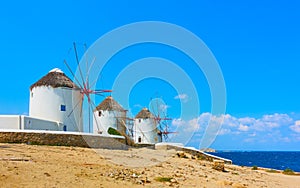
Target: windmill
(159,110)
(85,86)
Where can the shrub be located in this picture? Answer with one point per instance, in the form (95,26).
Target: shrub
(288,171)
(254,167)
(272,171)
(163,179)
(113,131)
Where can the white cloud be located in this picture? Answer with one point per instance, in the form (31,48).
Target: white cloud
(247,120)
(183,97)
(224,131)
(188,126)
(269,122)
(296,127)
(164,107)
(178,122)
(270,128)
(243,128)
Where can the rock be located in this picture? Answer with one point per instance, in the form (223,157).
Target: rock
(139,182)
(225,183)
(134,175)
(168,183)
(218,165)
(238,185)
(182,154)
(188,156)
(173,180)
(146,180)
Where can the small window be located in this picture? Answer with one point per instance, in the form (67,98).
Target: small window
(99,113)
(63,108)
(140,120)
(140,139)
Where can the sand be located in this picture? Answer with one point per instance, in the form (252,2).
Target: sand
(54,166)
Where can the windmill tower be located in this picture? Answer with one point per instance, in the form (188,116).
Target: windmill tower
(109,114)
(53,97)
(145,128)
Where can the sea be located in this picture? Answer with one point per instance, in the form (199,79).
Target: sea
(279,160)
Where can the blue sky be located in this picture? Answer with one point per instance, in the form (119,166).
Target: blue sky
(256,44)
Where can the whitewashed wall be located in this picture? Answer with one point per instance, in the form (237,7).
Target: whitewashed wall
(146,130)
(10,122)
(18,122)
(107,119)
(45,103)
(30,123)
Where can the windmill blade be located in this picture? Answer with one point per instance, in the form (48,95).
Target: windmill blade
(86,61)
(78,64)
(99,94)
(158,109)
(69,68)
(95,81)
(93,106)
(144,135)
(74,108)
(89,120)
(88,71)
(166,137)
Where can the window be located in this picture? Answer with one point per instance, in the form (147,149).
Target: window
(63,108)
(140,120)
(99,113)
(140,139)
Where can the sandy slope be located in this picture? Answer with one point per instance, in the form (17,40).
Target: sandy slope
(48,166)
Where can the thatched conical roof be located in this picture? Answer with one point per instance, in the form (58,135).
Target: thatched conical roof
(55,78)
(109,104)
(144,114)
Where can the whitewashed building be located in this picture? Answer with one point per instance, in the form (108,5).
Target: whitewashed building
(109,114)
(56,98)
(145,129)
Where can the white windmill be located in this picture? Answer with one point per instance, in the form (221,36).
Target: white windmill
(52,97)
(144,128)
(151,127)
(109,114)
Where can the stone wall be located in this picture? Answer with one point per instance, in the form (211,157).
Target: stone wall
(63,139)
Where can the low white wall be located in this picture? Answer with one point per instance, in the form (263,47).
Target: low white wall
(10,122)
(19,122)
(30,123)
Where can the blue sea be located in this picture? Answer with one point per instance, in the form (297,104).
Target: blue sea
(269,159)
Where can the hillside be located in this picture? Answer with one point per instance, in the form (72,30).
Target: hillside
(53,166)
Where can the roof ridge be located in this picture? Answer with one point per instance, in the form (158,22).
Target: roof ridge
(109,104)
(55,79)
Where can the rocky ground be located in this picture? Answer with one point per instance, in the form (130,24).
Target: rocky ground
(52,166)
